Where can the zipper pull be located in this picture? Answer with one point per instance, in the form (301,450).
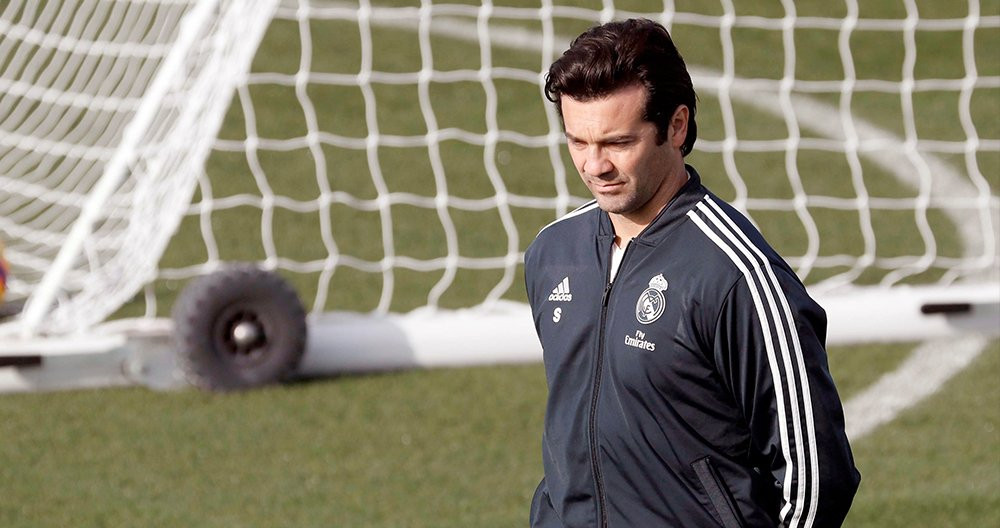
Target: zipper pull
(607,291)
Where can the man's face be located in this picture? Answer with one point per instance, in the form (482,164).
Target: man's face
(617,155)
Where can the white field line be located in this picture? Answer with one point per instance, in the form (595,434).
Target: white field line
(931,364)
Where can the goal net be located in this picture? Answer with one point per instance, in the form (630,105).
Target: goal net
(391,155)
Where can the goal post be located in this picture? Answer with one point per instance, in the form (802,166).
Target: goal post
(110,112)
(393,160)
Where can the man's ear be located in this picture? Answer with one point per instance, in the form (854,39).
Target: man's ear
(679,126)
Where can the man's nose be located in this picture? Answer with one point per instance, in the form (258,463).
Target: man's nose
(597,162)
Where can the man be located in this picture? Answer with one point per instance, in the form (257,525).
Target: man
(688,382)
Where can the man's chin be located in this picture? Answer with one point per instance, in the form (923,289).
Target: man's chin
(612,206)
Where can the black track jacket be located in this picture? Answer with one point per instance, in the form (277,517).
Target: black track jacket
(693,390)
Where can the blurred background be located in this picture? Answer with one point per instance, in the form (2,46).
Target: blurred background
(392,155)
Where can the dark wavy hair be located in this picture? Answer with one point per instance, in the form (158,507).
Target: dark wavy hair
(619,54)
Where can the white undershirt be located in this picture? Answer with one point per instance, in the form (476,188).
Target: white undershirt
(617,252)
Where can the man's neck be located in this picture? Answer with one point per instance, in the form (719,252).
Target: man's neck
(625,229)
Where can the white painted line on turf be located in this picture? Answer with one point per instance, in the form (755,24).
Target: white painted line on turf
(927,368)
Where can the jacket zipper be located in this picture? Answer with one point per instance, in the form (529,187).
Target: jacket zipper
(598,371)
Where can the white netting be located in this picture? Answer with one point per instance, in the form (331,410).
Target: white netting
(389,155)
(108,111)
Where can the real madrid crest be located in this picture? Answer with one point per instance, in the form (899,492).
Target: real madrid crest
(651,301)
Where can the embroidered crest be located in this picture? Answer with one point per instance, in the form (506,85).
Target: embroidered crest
(651,301)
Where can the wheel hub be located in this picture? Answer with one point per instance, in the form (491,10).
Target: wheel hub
(246,333)
(243,335)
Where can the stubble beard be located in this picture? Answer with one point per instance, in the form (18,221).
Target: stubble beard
(618,204)
(625,201)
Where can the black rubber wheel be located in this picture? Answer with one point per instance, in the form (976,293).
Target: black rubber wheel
(238,328)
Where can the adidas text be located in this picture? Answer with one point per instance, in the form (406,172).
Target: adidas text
(561,292)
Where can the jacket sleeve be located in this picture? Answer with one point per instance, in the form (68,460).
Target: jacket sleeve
(769,349)
(530,265)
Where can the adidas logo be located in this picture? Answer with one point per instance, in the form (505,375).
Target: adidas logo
(561,292)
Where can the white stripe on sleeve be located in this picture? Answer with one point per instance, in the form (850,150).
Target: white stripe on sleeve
(773,311)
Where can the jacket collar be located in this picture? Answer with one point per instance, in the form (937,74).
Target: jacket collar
(670,216)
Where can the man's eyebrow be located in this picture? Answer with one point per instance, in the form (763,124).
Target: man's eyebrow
(609,139)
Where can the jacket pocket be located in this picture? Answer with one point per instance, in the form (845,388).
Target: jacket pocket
(718,493)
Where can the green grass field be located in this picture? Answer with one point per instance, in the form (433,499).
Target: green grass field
(445,448)
(460,447)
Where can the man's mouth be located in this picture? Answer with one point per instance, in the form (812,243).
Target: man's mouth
(607,186)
